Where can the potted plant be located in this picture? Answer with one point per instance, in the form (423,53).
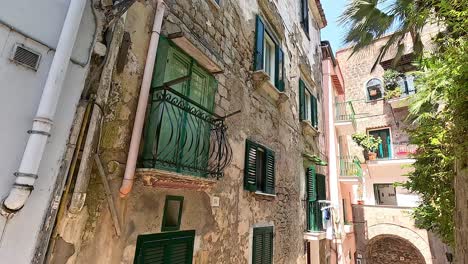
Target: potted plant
(392,80)
(369,143)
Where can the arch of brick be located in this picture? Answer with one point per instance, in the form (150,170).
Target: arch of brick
(379,231)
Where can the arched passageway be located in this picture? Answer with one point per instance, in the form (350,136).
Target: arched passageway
(389,249)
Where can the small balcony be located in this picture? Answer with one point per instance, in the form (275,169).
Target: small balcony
(345,121)
(350,170)
(185,144)
(405,90)
(315,225)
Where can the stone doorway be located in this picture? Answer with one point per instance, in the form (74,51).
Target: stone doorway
(389,249)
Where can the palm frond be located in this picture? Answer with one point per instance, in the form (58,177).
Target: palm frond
(368,20)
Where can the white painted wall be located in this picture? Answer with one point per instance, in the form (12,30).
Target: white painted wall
(21,91)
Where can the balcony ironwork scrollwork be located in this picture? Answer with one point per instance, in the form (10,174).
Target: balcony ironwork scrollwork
(183,136)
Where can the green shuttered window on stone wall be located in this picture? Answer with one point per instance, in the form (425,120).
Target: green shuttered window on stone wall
(268,55)
(262,245)
(259,170)
(165,248)
(308,105)
(316,191)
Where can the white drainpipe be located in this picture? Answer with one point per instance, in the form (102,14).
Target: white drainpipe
(42,123)
(129,175)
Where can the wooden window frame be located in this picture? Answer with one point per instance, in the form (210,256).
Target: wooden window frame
(164,226)
(265,167)
(262,30)
(308,109)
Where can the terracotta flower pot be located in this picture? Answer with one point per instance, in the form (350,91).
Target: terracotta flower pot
(372,155)
(360,202)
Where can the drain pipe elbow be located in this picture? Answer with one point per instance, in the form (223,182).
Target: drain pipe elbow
(127,182)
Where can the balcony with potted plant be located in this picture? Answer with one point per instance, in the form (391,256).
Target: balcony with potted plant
(369,143)
(398,88)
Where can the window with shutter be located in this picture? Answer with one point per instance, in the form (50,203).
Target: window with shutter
(259,170)
(268,55)
(308,105)
(305,16)
(262,250)
(316,190)
(314,110)
(302,101)
(165,248)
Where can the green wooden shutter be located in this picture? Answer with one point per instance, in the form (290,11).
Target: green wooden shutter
(170,65)
(270,172)
(165,248)
(262,252)
(302,103)
(311,184)
(321,187)
(305,16)
(259,39)
(250,168)
(279,69)
(314,111)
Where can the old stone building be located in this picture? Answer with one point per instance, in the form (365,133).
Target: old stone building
(231,165)
(381,213)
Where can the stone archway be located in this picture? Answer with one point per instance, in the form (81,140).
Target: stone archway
(391,249)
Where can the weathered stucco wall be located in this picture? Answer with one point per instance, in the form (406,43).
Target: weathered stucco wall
(224,232)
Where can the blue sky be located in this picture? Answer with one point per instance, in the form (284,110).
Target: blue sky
(333,32)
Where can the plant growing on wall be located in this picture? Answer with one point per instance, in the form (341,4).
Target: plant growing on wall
(369,143)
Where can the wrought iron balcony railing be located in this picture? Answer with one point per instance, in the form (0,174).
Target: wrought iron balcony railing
(350,166)
(183,136)
(344,112)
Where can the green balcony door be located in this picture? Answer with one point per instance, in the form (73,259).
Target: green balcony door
(385,148)
(179,139)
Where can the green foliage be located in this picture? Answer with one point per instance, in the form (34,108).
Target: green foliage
(367,20)
(392,94)
(367,142)
(390,78)
(439,111)
(440,114)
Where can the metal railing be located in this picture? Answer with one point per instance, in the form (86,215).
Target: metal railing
(344,112)
(183,136)
(350,166)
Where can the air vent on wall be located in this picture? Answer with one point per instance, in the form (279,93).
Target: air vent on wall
(26,56)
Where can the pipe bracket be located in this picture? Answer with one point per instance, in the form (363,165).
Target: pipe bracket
(39,132)
(24,186)
(29,175)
